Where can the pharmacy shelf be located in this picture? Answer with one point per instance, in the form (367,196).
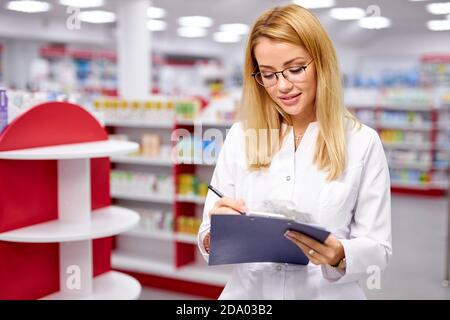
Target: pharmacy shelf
(139,124)
(112,285)
(408,145)
(415,185)
(196,272)
(425,108)
(206,123)
(167,125)
(157,161)
(104,222)
(405,126)
(145,198)
(191,199)
(186,238)
(142,160)
(150,234)
(96,149)
(197,162)
(162,235)
(410,165)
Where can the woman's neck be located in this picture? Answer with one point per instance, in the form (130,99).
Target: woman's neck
(301,121)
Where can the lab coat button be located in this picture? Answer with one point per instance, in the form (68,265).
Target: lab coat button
(279,268)
(288,178)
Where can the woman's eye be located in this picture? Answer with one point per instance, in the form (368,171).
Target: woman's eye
(267,76)
(296,70)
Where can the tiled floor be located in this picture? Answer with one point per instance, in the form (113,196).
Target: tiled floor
(417,268)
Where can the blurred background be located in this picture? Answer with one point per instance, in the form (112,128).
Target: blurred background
(146,67)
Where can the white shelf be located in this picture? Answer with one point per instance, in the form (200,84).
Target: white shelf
(97,149)
(417,186)
(167,125)
(112,285)
(105,222)
(192,199)
(405,126)
(417,165)
(139,124)
(206,123)
(145,198)
(152,161)
(150,234)
(393,107)
(407,107)
(408,145)
(162,235)
(198,272)
(186,238)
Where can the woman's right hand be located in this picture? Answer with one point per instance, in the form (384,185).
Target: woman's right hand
(224,206)
(228,206)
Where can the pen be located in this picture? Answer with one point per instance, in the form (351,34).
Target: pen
(219,194)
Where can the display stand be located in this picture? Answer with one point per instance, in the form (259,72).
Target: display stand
(56,218)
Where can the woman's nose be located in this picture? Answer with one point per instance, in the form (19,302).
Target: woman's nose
(283,84)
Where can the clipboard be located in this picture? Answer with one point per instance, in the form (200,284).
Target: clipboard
(258,238)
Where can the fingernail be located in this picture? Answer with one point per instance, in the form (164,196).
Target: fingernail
(244,209)
(287,234)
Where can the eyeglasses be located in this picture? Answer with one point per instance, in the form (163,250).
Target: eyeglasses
(292,74)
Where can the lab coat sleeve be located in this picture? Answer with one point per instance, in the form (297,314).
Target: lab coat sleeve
(369,246)
(223,179)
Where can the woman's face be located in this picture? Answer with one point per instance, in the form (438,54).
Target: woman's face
(295,98)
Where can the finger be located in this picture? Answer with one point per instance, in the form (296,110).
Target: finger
(237,205)
(222,210)
(317,258)
(311,243)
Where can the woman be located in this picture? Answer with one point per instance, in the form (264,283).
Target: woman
(298,143)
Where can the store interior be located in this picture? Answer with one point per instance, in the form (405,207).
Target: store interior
(146,68)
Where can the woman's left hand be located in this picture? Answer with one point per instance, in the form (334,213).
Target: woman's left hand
(330,252)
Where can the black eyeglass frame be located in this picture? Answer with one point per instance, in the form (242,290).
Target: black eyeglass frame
(255,73)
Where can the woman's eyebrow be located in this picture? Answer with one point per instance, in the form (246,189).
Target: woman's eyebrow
(284,64)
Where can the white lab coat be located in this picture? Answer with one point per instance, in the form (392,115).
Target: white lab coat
(356,208)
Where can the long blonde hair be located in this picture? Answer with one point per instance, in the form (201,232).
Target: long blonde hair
(295,25)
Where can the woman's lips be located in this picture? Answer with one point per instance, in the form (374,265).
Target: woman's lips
(290,100)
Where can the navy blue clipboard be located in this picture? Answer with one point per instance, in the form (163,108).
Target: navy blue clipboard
(245,239)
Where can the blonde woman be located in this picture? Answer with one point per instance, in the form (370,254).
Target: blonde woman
(298,144)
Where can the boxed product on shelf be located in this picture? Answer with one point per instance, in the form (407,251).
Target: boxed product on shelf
(189,184)
(155,109)
(410,176)
(187,109)
(405,118)
(126,182)
(151,144)
(189,225)
(393,136)
(408,157)
(408,97)
(152,219)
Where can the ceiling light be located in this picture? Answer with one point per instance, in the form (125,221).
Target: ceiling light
(195,21)
(226,37)
(28,6)
(191,32)
(439,8)
(156,25)
(82,3)
(97,16)
(156,13)
(374,22)
(351,13)
(438,25)
(236,28)
(315,4)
